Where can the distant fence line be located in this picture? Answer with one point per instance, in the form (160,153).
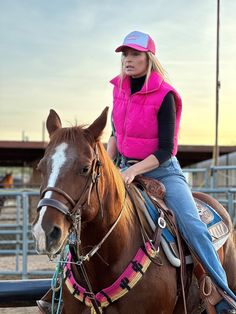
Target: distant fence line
(15,231)
(218,181)
(211,177)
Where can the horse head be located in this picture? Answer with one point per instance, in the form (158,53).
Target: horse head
(69,192)
(7,181)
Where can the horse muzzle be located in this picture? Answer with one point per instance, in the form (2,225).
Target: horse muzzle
(48,240)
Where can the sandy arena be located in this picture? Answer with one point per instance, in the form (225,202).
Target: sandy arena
(35,262)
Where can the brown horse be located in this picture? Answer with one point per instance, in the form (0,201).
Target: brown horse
(80,184)
(5,183)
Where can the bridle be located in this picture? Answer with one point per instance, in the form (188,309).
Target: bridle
(75,207)
(73,213)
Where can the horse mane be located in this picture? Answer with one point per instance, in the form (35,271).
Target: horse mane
(112,171)
(113,175)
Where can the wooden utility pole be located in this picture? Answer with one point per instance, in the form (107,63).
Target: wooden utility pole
(216,147)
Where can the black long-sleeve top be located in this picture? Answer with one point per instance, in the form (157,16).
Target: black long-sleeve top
(166,122)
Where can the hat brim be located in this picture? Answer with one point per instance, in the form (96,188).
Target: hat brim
(136,47)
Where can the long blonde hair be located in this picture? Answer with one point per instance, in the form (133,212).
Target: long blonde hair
(153,65)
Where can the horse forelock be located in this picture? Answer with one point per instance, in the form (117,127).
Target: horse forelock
(69,135)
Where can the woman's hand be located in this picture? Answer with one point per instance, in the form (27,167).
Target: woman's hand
(128,175)
(141,167)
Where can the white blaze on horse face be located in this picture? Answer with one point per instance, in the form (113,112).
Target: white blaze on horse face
(58,160)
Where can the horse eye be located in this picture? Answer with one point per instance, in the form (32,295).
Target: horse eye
(85,170)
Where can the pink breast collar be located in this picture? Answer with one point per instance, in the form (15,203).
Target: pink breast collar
(127,280)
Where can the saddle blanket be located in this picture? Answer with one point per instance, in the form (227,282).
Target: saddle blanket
(216,227)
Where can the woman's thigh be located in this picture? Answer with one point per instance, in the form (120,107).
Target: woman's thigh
(178,197)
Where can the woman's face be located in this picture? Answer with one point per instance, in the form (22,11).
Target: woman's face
(135,62)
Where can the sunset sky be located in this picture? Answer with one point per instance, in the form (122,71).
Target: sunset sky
(60,54)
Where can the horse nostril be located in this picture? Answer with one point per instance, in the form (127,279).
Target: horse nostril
(55,234)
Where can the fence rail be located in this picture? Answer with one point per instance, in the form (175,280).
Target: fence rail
(16,240)
(15,231)
(19,293)
(212,177)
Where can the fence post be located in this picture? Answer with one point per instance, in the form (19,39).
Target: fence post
(18,212)
(25,235)
(207,179)
(230,204)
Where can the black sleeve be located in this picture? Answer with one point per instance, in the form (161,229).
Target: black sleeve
(112,128)
(166,128)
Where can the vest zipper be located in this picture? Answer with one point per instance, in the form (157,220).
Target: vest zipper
(124,125)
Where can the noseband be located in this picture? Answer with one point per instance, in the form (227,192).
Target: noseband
(61,207)
(74,206)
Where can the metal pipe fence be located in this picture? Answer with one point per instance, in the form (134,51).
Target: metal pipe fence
(17,208)
(212,177)
(218,181)
(16,241)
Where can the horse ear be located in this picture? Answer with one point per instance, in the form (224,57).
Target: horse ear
(53,122)
(96,128)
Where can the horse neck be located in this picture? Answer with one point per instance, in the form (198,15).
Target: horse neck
(123,242)
(122,236)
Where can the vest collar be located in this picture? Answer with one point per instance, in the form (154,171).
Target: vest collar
(153,84)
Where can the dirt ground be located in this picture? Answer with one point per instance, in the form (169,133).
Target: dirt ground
(20,310)
(35,262)
(8,263)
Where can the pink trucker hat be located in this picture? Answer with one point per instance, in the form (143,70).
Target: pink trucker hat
(138,41)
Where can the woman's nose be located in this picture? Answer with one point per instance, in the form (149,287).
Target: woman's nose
(128,56)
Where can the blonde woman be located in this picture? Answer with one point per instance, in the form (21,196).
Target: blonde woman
(146,117)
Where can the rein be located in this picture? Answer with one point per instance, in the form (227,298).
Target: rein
(81,259)
(97,247)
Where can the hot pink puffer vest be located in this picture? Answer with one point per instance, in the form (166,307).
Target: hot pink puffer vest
(135,116)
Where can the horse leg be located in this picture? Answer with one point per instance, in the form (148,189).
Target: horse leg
(192,295)
(70,304)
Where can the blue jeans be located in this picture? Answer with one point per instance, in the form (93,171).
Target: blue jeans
(179,198)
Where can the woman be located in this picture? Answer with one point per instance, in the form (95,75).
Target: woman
(146,117)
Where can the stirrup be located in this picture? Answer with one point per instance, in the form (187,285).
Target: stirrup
(46,307)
